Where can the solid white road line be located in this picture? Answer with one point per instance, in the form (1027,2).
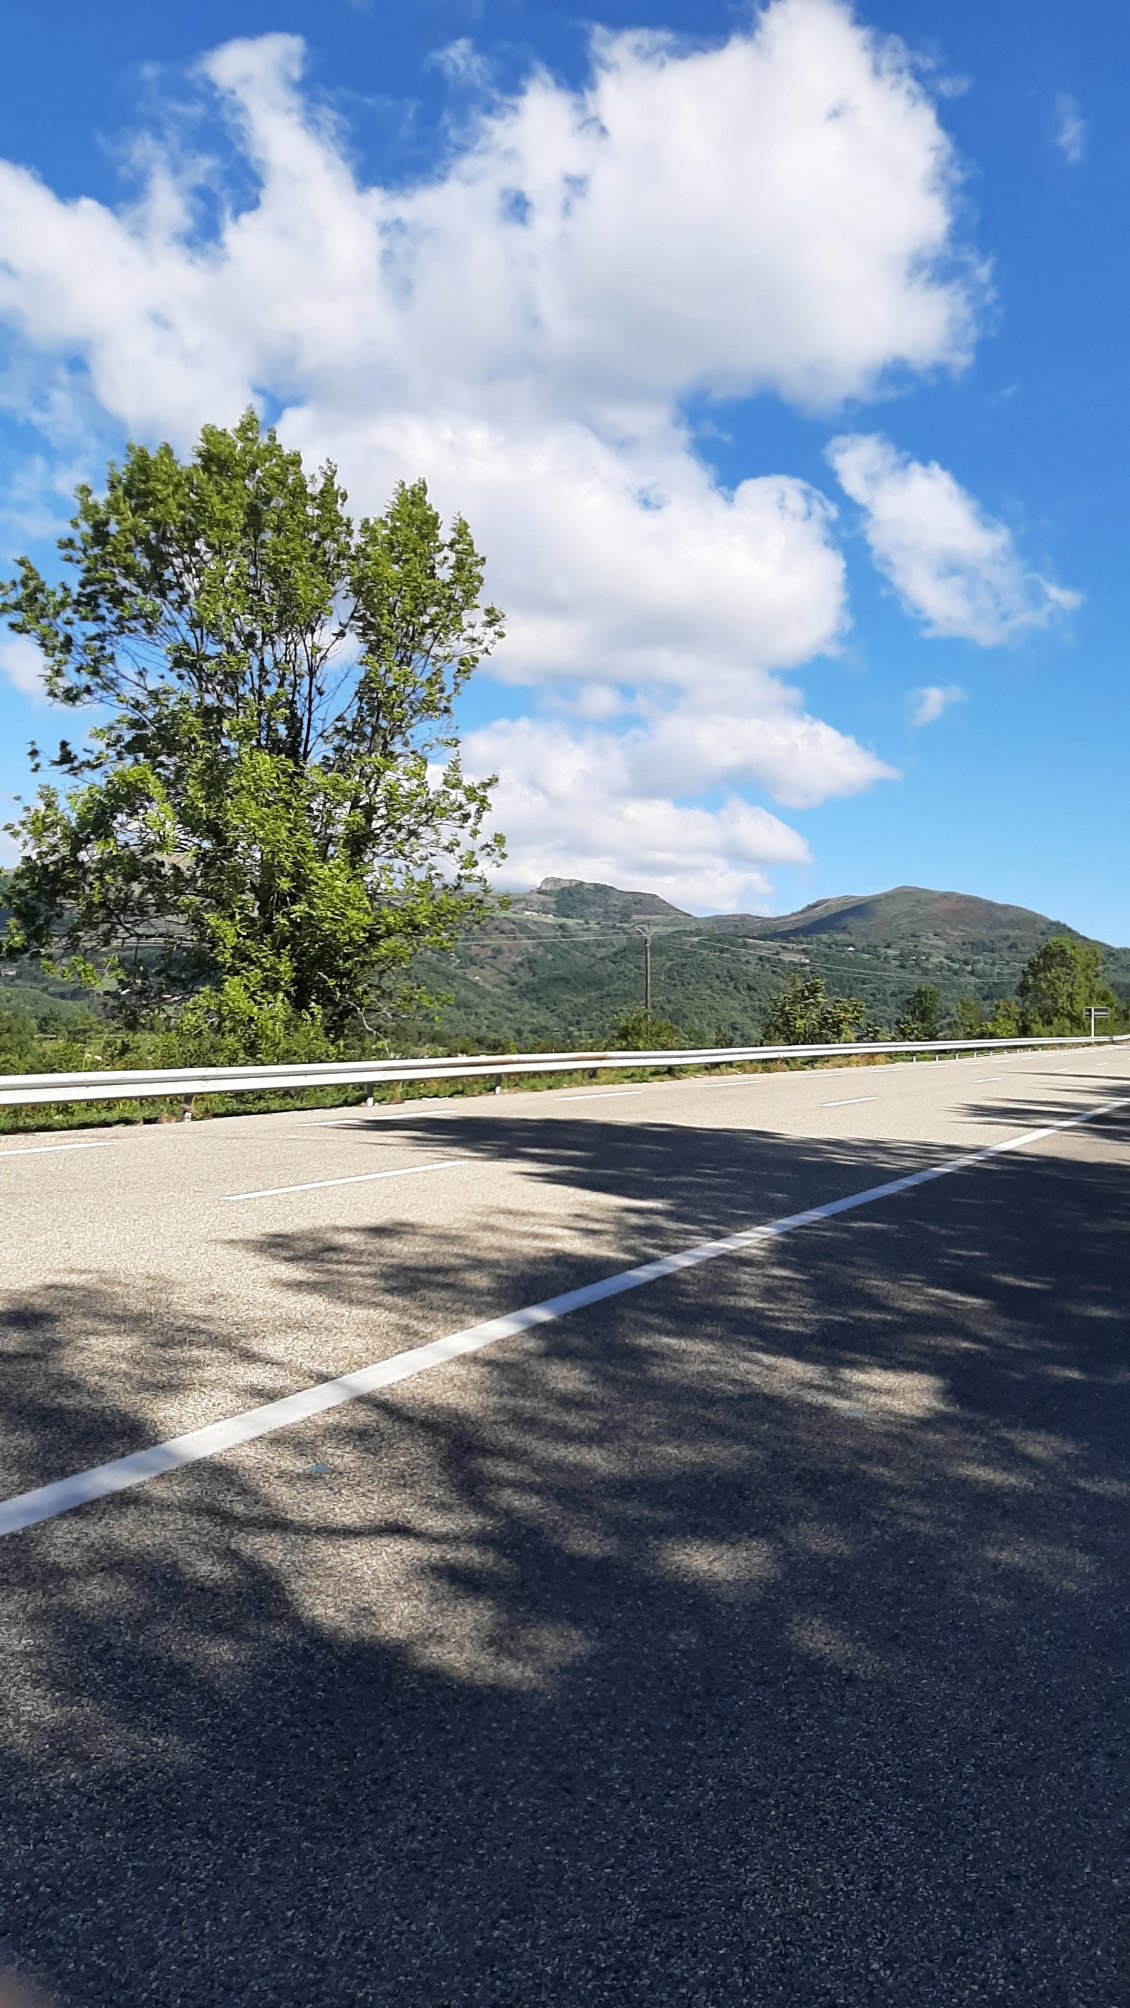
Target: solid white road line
(851,1102)
(39,1149)
(358,1178)
(27,1509)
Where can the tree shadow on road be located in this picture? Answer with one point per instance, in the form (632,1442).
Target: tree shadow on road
(756,1637)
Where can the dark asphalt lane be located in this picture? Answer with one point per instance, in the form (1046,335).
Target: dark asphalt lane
(758,1638)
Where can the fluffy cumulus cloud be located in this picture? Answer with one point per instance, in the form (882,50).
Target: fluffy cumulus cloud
(579,802)
(525,327)
(773,214)
(614,563)
(933,701)
(580,805)
(952,565)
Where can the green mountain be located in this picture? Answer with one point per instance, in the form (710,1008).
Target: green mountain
(561,963)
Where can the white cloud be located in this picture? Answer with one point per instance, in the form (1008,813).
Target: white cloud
(578,806)
(953,86)
(954,566)
(685,588)
(21,661)
(776,214)
(798,760)
(773,214)
(596,703)
(605,800)
(934,699)
(1070,130)
(461,63)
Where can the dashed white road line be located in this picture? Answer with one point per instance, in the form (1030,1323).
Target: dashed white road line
(40,1149)
(357,1178)
(604,1094)
(47,1502)
(851,1101)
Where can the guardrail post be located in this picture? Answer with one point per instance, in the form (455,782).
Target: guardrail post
(188,1101)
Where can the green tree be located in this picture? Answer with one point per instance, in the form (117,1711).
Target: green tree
(805,1015)
(19,1038)
(1058,985)
(1003,1020)
(969,1018)
(268,817)
(921,1016)
(640,1031)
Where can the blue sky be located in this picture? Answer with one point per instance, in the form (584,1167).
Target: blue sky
(775,356)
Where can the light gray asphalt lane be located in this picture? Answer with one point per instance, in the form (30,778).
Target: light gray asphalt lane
(758,1638)
(140,1270)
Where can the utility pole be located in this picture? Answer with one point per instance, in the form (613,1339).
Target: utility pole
(646,969)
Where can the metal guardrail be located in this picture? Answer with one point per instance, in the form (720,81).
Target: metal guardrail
(185,1083)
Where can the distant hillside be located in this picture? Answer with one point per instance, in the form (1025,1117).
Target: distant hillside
(560,964)
(578,899)
(941,917)
(565,960)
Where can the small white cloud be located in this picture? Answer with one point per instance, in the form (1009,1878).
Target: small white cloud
(22,663)
(461,63)
(1070,130)
(951,564)
(930,702)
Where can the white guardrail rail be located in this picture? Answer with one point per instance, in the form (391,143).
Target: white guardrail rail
(185,1083)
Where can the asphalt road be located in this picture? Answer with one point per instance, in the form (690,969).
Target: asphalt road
(758,1635)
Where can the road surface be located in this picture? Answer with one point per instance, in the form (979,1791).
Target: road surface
(756,1633)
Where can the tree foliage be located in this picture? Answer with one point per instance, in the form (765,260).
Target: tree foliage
(805,1015)
(641,1031)
(921,1015)
(1058,986)
(1003,1020)
(969,1018)
(268,818)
